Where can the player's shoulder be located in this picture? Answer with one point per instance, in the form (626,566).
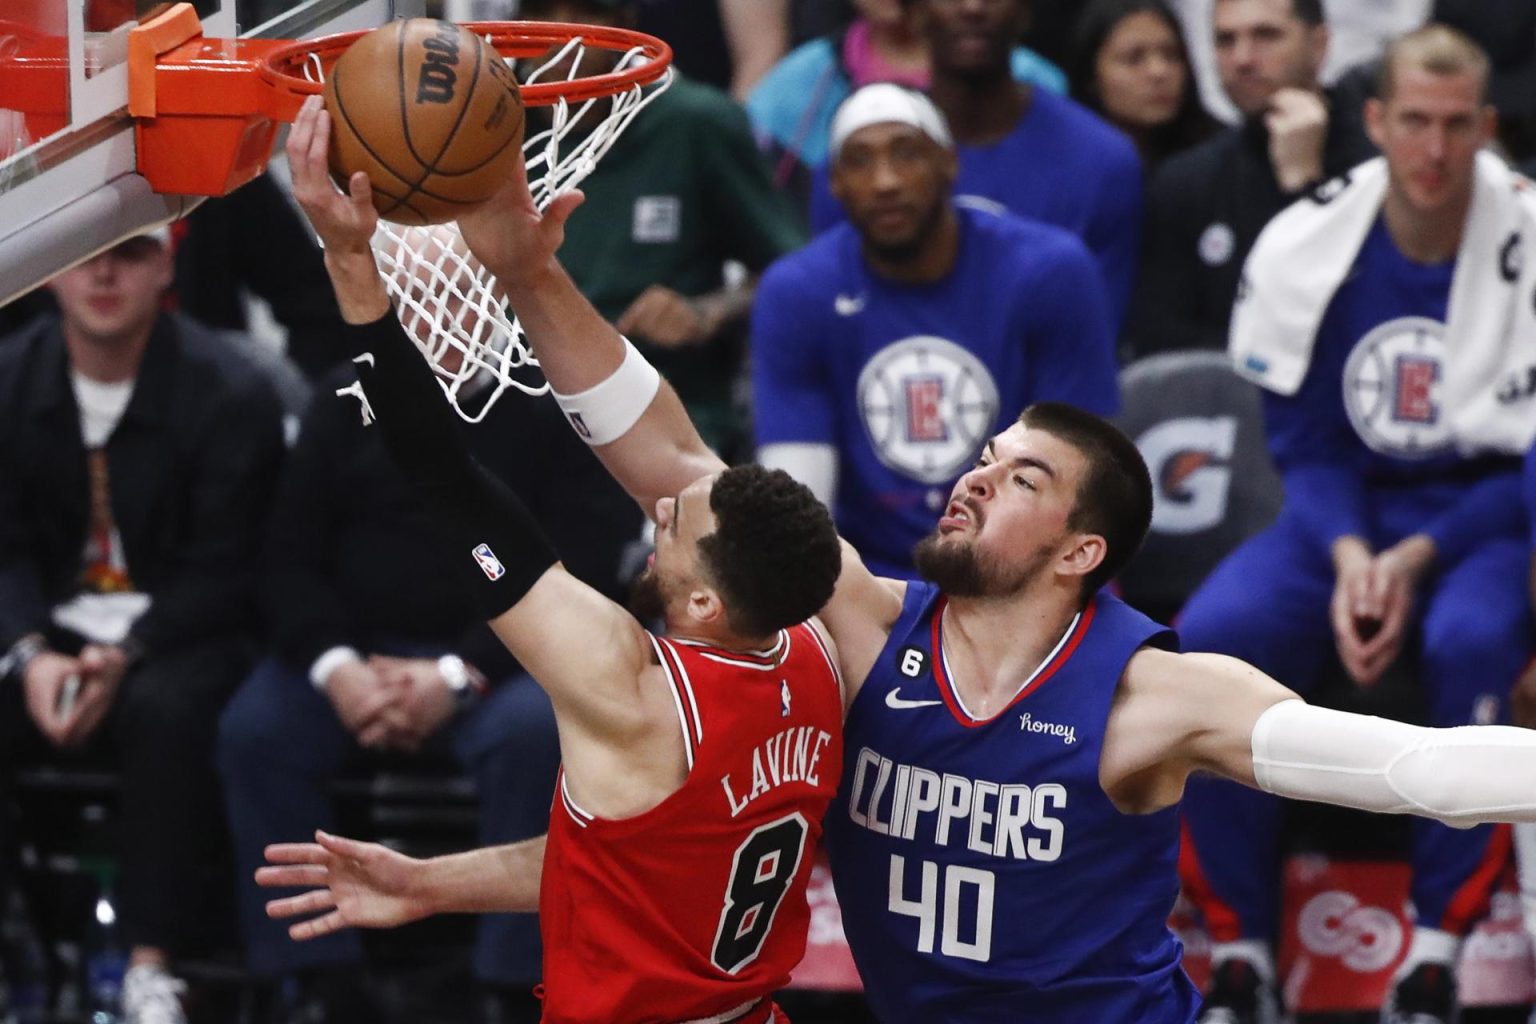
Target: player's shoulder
(1022,247)
(1090,131)
(813,271)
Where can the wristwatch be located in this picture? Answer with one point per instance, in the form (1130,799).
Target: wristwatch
(16,660)
(462,681)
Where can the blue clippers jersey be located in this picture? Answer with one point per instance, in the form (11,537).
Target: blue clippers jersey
(907,382)
(983,874)
(1372,394)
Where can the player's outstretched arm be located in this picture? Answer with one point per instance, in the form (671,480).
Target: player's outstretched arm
(546,616)
(1218,714)
(366,885)
(611,396)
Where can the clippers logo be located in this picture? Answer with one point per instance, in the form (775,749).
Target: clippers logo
(928,405)
(1392,384)
(1336,924)
(925,420)
(1190,462)
(488,562)
(437,74)
(1415,383)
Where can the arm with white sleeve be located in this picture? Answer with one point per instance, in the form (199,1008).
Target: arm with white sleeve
(1221,715)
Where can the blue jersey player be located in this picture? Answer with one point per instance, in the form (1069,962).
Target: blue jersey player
(1401,458)
(887,351)
(1016,740)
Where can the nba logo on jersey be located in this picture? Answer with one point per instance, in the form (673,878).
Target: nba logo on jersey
(579,425)
(489,563)
(925,413)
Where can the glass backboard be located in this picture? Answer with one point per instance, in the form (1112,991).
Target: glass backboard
(67,182)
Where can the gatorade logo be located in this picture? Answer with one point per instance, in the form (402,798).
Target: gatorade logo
(437,75)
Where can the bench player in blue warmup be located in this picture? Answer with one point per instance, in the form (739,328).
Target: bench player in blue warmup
(1016,740)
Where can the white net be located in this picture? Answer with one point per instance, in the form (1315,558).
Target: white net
(445,299)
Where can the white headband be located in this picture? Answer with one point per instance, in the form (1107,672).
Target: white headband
(884,103)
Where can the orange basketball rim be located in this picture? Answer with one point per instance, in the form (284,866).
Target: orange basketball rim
(207,111)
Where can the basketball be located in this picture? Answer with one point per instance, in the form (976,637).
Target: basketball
(431,112)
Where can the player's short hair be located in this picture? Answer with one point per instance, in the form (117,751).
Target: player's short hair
(1308,12)
(774,554)
(1114,499)
(1438,49)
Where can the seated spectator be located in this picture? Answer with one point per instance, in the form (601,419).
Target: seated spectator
(887,351)
(253,242)
(1206,205)
(1388,322)
(792,107)
(378,652)
(137,455)
(1024,149)
(682,191)
(1508,32)
(1131,68)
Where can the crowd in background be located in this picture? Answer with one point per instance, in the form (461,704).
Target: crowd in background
(212,579)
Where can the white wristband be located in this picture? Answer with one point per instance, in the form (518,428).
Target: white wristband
(604,412)
(330,661)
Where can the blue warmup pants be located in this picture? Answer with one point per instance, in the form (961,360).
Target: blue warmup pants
(281,745)
(1268,605)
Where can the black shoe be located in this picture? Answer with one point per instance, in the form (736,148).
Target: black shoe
(1426,995)
(1238,995)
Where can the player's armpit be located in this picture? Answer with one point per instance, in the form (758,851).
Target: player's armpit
(1179,713)
(859,618)
(585,651)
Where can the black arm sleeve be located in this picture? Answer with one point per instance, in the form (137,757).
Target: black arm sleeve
(500,551)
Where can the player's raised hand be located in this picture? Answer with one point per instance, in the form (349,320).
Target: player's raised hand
(511,236)
(344,222)
(354,885)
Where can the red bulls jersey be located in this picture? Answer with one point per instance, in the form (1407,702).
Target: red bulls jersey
(696,909)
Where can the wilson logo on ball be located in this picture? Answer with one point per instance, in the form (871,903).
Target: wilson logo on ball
(437,75)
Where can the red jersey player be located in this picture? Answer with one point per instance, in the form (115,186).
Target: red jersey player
(696,766)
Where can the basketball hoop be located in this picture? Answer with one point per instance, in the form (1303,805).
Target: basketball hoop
(206,114)
(444,298)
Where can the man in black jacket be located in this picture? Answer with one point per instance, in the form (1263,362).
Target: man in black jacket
(137,452)
(1205,207)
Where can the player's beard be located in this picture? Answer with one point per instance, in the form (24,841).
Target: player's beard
(960,571)
(647,602)
(911,248)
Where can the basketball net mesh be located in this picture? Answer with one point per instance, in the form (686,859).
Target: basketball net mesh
(446,301)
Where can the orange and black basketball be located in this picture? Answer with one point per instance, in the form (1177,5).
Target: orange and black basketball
(431,112)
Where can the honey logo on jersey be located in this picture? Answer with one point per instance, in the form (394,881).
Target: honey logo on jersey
(1066,733)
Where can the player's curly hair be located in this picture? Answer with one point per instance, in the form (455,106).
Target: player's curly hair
(774,554)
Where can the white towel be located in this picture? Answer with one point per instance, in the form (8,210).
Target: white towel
(1304,254)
